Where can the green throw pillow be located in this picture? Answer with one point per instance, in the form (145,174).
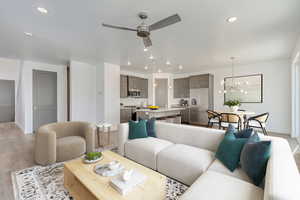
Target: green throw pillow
(229,150)
(137,129)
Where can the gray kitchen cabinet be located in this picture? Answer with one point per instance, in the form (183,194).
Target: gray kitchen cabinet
(144,87)
(194,115)
(181,88)
(185,116)
(199,81)
(133,82)
(125,115)
(123,86)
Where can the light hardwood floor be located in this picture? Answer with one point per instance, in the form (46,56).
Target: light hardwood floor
(17,152)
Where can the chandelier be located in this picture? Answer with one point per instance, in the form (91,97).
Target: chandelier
(233,84)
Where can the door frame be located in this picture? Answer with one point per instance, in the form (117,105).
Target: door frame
(27,78)
(295,73)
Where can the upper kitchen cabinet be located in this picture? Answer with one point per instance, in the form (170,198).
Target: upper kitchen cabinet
(181,88)
(132,83)
(123,86)
(200,81)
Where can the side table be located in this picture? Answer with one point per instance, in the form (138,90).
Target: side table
(101,129)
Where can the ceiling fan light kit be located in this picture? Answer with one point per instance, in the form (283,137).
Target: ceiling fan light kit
(144,30)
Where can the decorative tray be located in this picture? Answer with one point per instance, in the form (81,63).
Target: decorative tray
(104,170)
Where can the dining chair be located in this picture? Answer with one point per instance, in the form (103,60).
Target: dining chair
(230,118)
(213,118)
(258,121)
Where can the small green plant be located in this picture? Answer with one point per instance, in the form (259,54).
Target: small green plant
(232,103)
(93,155)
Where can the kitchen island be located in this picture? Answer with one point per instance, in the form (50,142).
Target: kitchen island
(164,114)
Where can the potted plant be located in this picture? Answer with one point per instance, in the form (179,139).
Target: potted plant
(233,105)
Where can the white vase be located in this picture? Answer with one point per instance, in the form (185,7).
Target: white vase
(234,108)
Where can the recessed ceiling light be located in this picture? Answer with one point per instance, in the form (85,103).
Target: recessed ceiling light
(145,49)
(151,57)
(168,63)
(180,67)
(231,19)
(159,71)
(128,63)
(42,10)
(28,34)
(146,67)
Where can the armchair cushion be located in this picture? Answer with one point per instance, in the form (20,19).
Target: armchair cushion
(70,147)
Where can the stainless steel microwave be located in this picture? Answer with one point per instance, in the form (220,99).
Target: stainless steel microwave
(134,93)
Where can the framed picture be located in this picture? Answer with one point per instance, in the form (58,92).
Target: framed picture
(246,89)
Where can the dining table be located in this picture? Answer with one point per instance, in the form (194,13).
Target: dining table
(242,113)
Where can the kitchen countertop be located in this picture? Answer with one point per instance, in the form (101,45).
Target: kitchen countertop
(160,110)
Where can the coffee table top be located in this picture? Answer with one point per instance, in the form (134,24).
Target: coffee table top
(152,189)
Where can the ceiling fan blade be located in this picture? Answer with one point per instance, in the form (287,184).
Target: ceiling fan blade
(118,27)
(165,22)
(147,42)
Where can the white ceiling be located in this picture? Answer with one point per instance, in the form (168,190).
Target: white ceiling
(265,30)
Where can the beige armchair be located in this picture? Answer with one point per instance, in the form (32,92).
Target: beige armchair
(63,141)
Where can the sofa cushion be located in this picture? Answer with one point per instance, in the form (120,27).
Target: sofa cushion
(216,186)
(184,163)
(217,166)
(144,150)
(70,147)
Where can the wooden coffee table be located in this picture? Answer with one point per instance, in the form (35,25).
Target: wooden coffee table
(84,184)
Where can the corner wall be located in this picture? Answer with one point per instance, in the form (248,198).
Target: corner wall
(276,91)
(82,92)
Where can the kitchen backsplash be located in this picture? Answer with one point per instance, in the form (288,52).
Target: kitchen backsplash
(133,101)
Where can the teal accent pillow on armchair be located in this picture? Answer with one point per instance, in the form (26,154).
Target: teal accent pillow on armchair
(229,150)
(137,129)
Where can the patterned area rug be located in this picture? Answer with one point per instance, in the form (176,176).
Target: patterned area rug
(46,183)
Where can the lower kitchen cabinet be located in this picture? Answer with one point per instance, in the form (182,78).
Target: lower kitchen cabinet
(185,116)
(125,115)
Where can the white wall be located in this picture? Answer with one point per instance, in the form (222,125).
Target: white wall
(100,101)
(82,92)
(276,89)
(26,102)
(295,82)
(111,93)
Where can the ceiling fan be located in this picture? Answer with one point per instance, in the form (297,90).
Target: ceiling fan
(143,30)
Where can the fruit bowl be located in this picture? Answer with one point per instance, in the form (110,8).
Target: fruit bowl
(153,107)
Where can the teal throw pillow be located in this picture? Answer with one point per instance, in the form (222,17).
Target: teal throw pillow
(150,126)
(254,158)
(137,129)
(245,133)
(229,150)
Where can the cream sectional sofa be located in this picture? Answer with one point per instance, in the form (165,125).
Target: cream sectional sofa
(187,154)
